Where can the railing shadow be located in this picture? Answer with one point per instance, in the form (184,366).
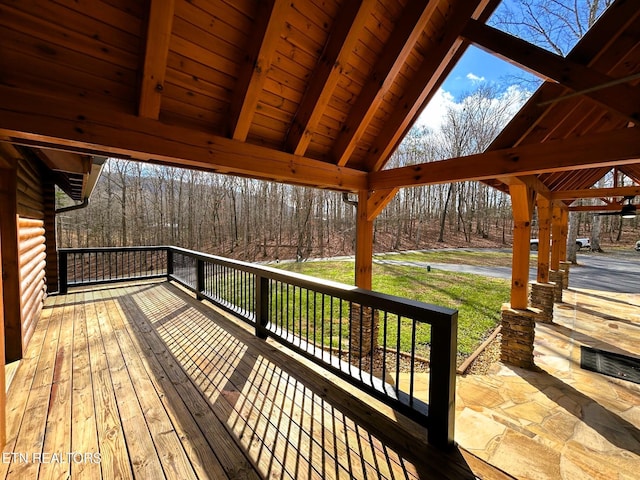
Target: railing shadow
(588,340)
(609,425)
(605,316)
(287,420)
(601,297)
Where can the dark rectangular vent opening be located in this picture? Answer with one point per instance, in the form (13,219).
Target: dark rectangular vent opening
(609,363)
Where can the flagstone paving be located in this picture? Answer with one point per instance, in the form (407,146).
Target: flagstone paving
(560,422)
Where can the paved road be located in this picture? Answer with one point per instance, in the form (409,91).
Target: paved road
(612,272)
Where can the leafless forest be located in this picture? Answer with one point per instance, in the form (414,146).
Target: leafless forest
(144,204)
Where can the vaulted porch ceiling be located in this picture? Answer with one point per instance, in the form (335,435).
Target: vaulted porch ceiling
(307,92)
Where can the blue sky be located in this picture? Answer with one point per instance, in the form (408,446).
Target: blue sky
(477,66)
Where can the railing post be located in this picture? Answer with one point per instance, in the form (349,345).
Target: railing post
(442,383)
(62,272)
(262,306)
(169,263)
(199,278)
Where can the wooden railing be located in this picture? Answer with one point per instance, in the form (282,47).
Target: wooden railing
(325,321)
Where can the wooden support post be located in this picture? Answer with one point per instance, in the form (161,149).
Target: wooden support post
(564,232)
(10,265)
(364,242)
(544,238)
(370,204)
(522,202)
(556,227)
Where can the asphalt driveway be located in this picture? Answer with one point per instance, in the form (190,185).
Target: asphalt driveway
(612,272)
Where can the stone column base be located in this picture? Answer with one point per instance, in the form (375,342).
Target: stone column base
(542,297)
(363,330)
(518,333)
(557,277)
(564,268)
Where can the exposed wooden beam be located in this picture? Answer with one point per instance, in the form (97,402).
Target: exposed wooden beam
(269,21)
(405,34)
(530,181)
(617,147)
(621,98)
(596,193)
(442,56)
(378,200)
(344,36)
(155,58)
(94,130)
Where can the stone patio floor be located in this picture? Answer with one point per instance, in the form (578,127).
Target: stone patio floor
(560,422)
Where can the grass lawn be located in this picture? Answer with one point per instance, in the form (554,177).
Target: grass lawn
(466,257)
(478,299)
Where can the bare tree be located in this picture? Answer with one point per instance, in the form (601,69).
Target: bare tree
(553,24)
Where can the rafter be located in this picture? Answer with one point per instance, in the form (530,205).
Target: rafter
(596,193)
(618,147)
(342,41)
(620,98)
(424,84)
(54,123)
(593,46)
(266,33)
(406,33)
(155,58)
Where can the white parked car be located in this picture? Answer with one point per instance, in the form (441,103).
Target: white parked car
(580,243)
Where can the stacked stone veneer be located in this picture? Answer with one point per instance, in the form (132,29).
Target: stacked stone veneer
(564,268)
(518,333)
(557,278)
(363,330)
(542,297)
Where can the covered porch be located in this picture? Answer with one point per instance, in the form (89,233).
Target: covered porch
(144,381)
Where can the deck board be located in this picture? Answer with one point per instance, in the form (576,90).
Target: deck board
(163,386)
(114,456)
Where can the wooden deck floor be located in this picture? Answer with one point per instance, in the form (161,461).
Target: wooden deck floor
(142,381)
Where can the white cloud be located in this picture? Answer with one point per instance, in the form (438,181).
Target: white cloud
(475,78)
(433,114)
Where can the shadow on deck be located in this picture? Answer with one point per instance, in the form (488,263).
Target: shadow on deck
(560,420)
(143,381)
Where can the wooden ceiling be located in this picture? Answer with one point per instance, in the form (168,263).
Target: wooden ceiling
(309,92)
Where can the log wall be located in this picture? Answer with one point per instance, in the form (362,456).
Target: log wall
(31,245)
